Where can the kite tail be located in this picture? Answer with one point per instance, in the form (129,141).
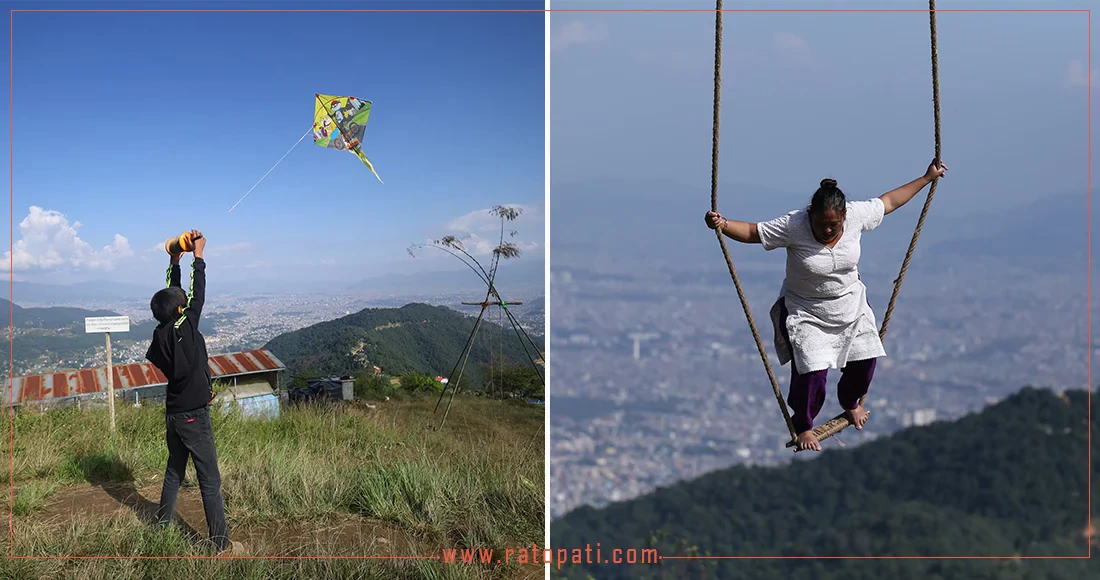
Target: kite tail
(363,157)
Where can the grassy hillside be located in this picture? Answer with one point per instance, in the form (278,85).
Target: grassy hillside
(413,338)
(1009,481)
(342,481)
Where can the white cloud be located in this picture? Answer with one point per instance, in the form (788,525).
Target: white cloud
(1078,77)
(573,33)
(479,246)
(794,48)
(49,242)
(119,249)
(483,220)
(479,230)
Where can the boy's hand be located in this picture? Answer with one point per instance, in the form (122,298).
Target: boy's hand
(175,259)
(199,241)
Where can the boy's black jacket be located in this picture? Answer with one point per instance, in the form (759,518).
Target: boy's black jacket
(179,349)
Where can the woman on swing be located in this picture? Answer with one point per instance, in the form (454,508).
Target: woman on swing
(822,318)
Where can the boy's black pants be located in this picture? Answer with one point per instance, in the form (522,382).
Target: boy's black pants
(191,434)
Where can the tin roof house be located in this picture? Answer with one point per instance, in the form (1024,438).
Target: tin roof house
(252,378)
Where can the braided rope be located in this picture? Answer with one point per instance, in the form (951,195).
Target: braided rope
(841,421)
(718,231)
(931,190)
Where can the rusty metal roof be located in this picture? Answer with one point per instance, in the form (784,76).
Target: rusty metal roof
(64,384)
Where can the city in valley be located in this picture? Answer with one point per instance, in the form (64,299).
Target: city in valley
(236,323)
(656,377)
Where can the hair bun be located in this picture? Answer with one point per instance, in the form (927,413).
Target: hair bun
(828,183)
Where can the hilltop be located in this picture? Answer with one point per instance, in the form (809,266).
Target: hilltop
(55,335)
(54,317)
(413,338)
(1008,481)
(67,318)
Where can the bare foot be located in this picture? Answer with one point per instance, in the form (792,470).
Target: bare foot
(858,416)
(807,440)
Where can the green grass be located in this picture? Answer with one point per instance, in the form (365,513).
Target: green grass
(478,483)
(32,497)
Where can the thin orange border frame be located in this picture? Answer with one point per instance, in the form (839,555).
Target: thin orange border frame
(1088,252)
(11,284)
(1088,304)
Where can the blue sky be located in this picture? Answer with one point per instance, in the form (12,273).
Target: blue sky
(813,95)
(130,128)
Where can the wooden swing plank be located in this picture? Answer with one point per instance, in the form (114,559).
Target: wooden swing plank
(828,429)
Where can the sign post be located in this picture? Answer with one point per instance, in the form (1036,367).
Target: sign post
(107,325)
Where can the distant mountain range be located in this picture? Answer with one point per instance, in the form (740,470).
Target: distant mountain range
(523,275)
(1009,481)
(1050,231)
(415,337)
(69,318)
(56,334)
(52,318)
(89,291)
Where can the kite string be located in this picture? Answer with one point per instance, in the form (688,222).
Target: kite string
(308,131)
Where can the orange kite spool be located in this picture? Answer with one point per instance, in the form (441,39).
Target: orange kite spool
(179,244)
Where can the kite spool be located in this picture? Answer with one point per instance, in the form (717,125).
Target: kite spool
(179,244)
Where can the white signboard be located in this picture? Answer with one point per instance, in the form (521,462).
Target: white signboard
(107,324)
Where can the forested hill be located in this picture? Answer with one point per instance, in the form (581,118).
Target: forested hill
(1008,481)
(51,318)
(54,337)
(413,338)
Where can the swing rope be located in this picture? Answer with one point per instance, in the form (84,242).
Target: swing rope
(932,189)
(840,422)
(714,207)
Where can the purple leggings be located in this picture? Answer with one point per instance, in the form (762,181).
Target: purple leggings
(807,393)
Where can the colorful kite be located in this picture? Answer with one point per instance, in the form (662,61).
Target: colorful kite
(339,123)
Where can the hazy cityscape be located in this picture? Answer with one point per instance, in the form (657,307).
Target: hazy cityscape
(691,395)
(243,322)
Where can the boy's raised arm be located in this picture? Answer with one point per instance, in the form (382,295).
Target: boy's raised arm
(173,274)
(198,279)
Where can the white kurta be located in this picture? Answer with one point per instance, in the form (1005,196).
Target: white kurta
(829,320)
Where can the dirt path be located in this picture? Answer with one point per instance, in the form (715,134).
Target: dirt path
(350,535)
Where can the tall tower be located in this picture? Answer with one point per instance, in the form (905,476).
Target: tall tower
(638,337)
